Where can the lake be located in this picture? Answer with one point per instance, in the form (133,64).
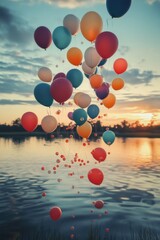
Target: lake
(130,189)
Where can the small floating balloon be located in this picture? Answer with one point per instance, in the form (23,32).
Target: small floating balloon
(106,44)
(103,91)
(84,130)
(93,111)
(99,204)
(74,56)
(49,124)
(92,57)
(108,137)
(61,37)
(117,8)
(45,74)
(99,154)
(29,121)
(70,115)
(71,22)
(80,116)
(43,37)
(102,62)
(96,81)
(95,176)
(75,76)
(55,213)
(83,100)
(117,83)
(42,94)
(109,101)
(87,69)
(59,75)
(120,65)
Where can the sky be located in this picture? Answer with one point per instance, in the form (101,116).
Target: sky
(138,33)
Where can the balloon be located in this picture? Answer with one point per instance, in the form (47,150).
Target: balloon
(42,94)
(102,91)
(70,115)
(49,124)
(96,81)
(91,25)
(106,44)
(61,37)
(93,111)
(61,89)
(108,137)
(91,57)
(45,74)
(74,56)
(102,62)
(117,8)
(109,101)
(43,37)
(95,176)
(75,77)
(84,130)
(99,204)
(55,213)
(76,97)
(99,154)
(80,116)
(87,69)
(120,65)
(59,75)
(29,121)
(71,22)
(83,100)
(117,83)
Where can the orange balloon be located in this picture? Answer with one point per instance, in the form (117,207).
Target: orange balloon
(74,56)
(84,130)
(91,25)
(109,101)
(120,65)
(117,83)
(96,81)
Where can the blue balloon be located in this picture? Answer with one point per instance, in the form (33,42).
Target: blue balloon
(42,94)
(61,37)
(93,111)
(75,76)
(80,116)
(102,62)
(117,8)
(108,137)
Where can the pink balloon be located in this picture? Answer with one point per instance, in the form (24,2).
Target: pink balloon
(106,44)
(99,154)
(61,89)
(43,37)
(55,213)
(29,121)
(95,176)
(99,204)
(70,115)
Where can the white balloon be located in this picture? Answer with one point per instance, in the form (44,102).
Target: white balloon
(45,74)
(92,58)
(87,69)
(49,124)
(72,23)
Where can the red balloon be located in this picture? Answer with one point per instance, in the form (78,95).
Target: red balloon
(106,44)
(120,65)
(99,204)
(60,74)
(29,121)
(61,89)
(43,37)
(55,213)
(99,154)
(95,176)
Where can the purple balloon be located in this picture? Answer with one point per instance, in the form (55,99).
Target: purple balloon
(43,37)
(59,75)
(70,115)
(102,91)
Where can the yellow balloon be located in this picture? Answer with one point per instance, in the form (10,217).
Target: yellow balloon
(49,124)
(109,101)
(117,83)
(84,130)
(91,25)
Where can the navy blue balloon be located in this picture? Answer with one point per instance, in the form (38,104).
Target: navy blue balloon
(117,8)
(75,76)
(102,62)
(93,111)
(103,91)
(42,94)
(79,116)
(61,37)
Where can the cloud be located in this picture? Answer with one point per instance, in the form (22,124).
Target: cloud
(152,1)
(14,29)
(17,102)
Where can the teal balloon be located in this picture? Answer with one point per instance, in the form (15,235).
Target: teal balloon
(75,76)
(108,137)
(79,116)
(102,62)
(61,37)
(117,8)
(42,94)
(93,111)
